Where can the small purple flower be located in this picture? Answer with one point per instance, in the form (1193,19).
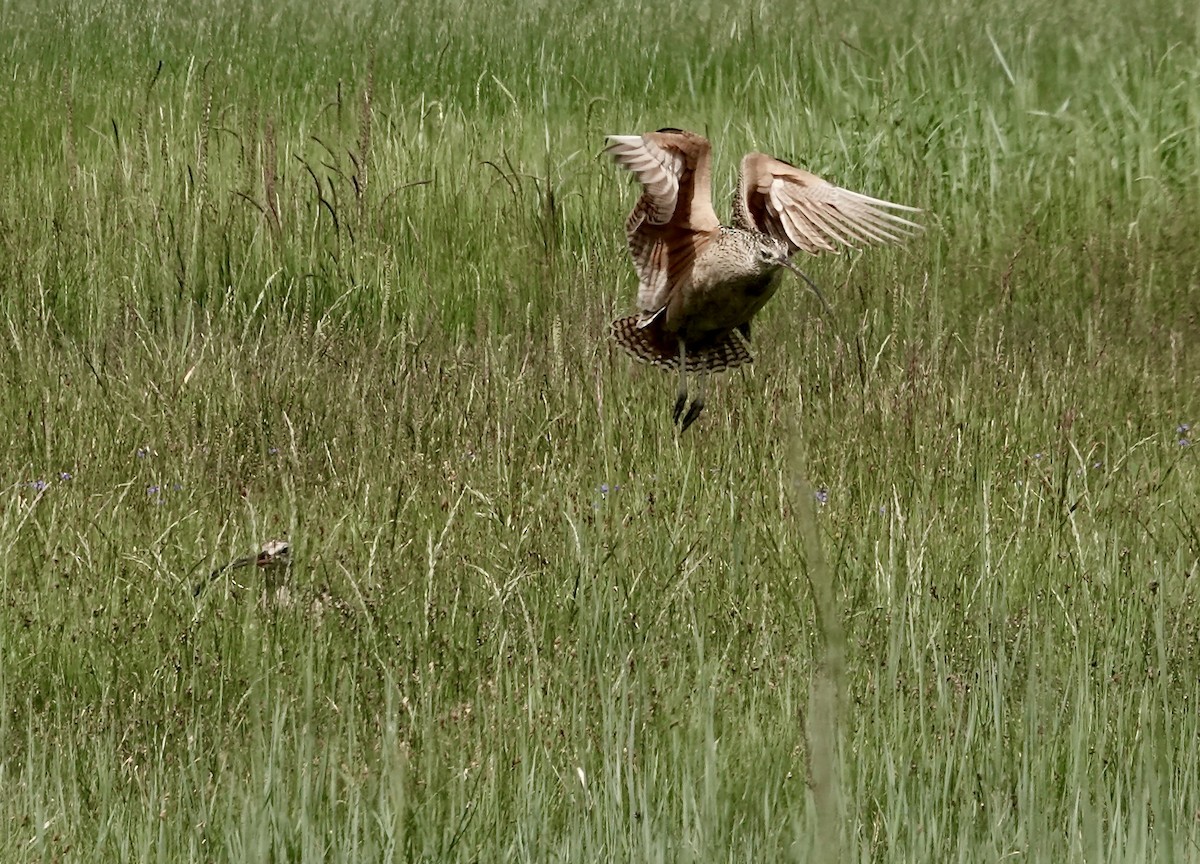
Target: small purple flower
(1183,442)
(603,488)
(1183,429)
(152,490)
(882,509)
(1097,465)
(271,451)
(38,485)
(142,452)
(1037,457)
(822,495)
(64,475)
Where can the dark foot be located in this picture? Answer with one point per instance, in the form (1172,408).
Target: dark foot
(692,414)
(679,403)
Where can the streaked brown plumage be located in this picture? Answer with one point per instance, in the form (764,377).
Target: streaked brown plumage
(701,282)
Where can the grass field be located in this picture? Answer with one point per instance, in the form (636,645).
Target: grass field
(921,585)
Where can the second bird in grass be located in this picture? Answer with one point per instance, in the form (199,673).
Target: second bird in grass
(700,282)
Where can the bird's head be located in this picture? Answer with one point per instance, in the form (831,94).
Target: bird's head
(771,253)
(774,253)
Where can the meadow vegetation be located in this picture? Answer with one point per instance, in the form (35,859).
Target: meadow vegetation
(920,585)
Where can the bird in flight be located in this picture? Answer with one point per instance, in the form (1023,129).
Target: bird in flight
(700,282)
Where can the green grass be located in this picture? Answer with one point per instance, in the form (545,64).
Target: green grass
(345,276)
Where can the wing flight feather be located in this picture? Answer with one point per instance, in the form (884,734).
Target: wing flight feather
(811,214)
(674,216)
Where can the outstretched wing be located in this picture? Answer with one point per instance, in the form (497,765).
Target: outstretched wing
(806,212)
(674,218)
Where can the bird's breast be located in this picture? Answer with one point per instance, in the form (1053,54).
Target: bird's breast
(718,304)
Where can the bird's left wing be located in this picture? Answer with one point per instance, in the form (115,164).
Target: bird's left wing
(793,205)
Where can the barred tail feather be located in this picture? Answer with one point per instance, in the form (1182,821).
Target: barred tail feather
(650,344)
(646,343)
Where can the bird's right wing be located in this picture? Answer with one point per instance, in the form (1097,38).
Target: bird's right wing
(674,217)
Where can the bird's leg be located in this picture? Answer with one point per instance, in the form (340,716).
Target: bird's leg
(697,403)
(681,399)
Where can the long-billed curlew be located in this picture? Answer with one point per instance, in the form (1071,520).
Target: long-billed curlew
(273,554)
(700,281)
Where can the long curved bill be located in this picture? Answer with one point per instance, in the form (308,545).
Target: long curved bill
(788,264)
